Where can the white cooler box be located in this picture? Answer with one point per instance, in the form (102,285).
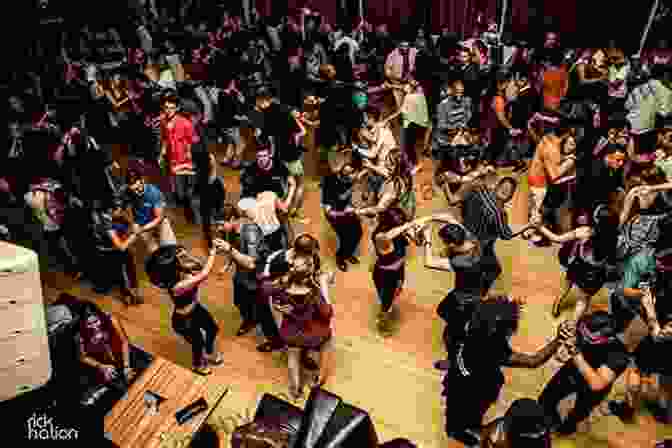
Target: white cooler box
(24,346)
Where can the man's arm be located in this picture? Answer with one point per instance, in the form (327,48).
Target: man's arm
(597,379)
(387,198)
(534,360)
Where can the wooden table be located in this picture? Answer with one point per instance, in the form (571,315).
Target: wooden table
(130,424)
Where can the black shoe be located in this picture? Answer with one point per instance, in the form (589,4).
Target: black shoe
(245,327)
(342,265)
(622,410)
(102,290)
(466,437)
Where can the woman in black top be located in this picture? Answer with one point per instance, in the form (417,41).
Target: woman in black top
(390,240)
(172,269)
(585,255)
(474,379)
(462,256)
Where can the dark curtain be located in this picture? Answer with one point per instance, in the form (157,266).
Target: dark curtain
(393,13)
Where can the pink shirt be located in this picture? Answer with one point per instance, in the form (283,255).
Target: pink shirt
(395,62)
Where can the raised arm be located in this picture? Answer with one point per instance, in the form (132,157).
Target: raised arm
(198,278)
(248,262)
(415,224)
(388,197)
(532,361)
(583,232)
(432,261)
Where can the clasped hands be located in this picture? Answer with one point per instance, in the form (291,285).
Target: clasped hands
(221,245)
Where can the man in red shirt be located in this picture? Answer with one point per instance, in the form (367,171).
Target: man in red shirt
(177,136)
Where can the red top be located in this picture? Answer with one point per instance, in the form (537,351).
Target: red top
(179,137)
(555,85)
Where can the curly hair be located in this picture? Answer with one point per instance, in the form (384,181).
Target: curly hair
(497,316)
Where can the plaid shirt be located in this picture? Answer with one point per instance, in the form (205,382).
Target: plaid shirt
(483,218)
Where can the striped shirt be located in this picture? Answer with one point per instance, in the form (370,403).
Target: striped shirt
(483,217)
(453,114)
(647,100)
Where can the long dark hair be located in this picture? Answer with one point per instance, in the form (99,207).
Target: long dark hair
(88,310)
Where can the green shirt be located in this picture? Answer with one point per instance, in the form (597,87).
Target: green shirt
(636,266)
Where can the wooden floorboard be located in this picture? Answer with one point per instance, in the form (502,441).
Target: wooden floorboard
(392,377)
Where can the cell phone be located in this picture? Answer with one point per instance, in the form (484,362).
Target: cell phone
(185,414)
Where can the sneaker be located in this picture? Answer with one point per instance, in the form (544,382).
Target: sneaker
(466,437)
(246,327)
(204,371)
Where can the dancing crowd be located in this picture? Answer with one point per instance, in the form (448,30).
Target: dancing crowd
(583,136)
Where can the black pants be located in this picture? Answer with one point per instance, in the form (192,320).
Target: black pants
(491,268)
(253,306)
(456,314)
(56,240)
(199,329)
(115,267)
(409,137)
(349,232)
(388,283)
(184,194)
(278,240)
(244,296)
(566,381)
(468,398)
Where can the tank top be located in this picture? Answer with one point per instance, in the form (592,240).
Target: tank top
(184,300)
(393,258)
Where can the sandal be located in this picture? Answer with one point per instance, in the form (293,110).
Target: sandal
(215,359)
(203,371)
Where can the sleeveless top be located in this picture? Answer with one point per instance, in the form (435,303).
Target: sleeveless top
(184,300)
(393,260)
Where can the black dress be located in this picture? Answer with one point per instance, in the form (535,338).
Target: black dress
(389,271)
